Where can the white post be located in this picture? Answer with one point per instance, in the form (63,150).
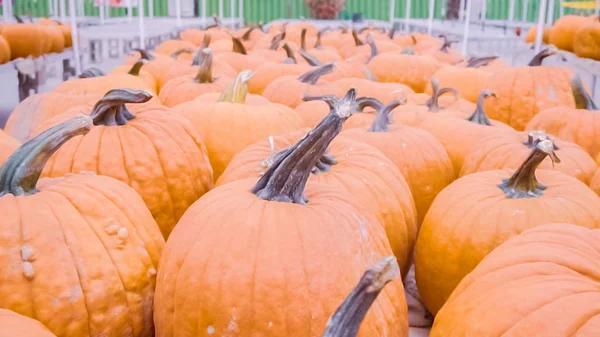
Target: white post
(466,27)
(80,8)
(204,12)
(540,26)
(461,11)
(5,11)
(561,13)
(141,24)
(511,11)
(550,18)
(525,8)
(101,9)
(241,12)
(151,9)
(129,11)
(483,11)
(431,12)
(178,13)
(597,10)
(63,10)
(392,11)
(232,14)
(407,16)
(75,36)
(221,10)
(50,10)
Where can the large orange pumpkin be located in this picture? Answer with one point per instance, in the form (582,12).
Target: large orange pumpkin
(413,70)
(468,81)
(14,324)
(136,70)
(155,152)
(228,125)
(8,145)
(525,91)
(296,271)
(24,39)
(585,42)
(547,274)
(580,124)
(564,30)
(478,212)
(532,35)
(270,71)
(79,253)
(418,155)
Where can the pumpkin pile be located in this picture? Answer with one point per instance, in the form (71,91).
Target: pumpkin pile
(271,182)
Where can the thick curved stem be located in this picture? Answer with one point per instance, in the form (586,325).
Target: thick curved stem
(178,52)
(347,319)
(523,183)
(285,180)
(92,72)
(311,59)
(476,62)
(290,54)
(21,171)
(204,74)
(392,31)
(373,45)
(313,76)
(246,36)
(357,40)
(18,18)
(145,54)
(383,116)
(110,110)
(237,91)
(433,103)
(206,39)
(537,60)
(447,43)
(238,46)
(303,39)
(479,116)
(135,69)
(276,41)
(318,44)
(583,100)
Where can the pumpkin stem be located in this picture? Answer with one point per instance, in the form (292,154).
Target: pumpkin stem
(371,43)
(433,103)
(383,116)
(216,24)
(246,35)
(145,54)
(537,60)
(357,40)
(303,39)
(206,39)
(236,91)
(291,58)
(583,100)
(447,43)
(178,52)
(238,46)
(310,59)
(21,171)
(91,72)
(313,76)
(414,39)
(364,102)
(347,319)
(204,74)
(110,110)
(318,44)
(135,69)
(479,116)
(276,41)
(476,62)
(18,18)
(523,183)
(285,180)
(392,31)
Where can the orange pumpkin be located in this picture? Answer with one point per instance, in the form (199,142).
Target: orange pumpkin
(241,124)
(327,55)
(14,324)
(445,53)
(155,152)
(553,267)
(136,70)
(95,228)
(315,108)
(478,212)
(168,47)
(186,88)
(270,71)
(413,70)
(57,39)
(162,67)
(4,51)
(469,82)
(418,155)
(24,39)
(564,30)
(290,257)
(289,90)
(525,91)
(364,50)
(239,59)
(8,145)
(384,92)
(532,35)
(595,182)
(585,42)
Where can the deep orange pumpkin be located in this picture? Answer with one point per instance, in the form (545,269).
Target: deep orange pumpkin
(585,42)
(24,39)
(563,32)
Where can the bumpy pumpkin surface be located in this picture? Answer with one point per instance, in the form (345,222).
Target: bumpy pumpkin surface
(80,253)
(585,43)
(478,212)
(547,274)
(14,325)
(564,30)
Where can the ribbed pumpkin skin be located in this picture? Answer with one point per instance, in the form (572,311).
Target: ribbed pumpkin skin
(270,71)
(412,70)
(81,257)
(101,85)
(563,32)
(14,325)
(299,264)
(532,35)
(289,91)
(184,89)
(157,153)
(468,81)
(507,151)
(579,126)
(522,92)
(473,216)
(585,43)
(29,115)
(24,39)
(548,274)
(362,171)
(595,183)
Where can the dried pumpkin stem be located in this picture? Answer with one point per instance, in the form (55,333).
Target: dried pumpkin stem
(433,103)
(21,171)
(238,46)
(246,36)
(204,74)
(583,100)
(276,41)
(145,54)
(523,183)
(310,59)
(447,43)
(92,72)
(537,60)
(392,31)
(479,116)
(291,58)
(318,43)
(303,39)
(285,180)
(313,76)
(178,52)
(357,40)
(135,69)
(347,319)
(237,91)
(383,116)
(476,62)
(373,45)
(110,110)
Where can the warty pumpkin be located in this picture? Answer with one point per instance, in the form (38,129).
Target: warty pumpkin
(585,42)
(525,91)
(420,157)
(228,125)
(296,271)
(580,125)
(186,88)
(289,90)
(80,253)
(478,212)
(546,274)
(14,324)
(156,152)
(564,30)
(507,151)
(415,71)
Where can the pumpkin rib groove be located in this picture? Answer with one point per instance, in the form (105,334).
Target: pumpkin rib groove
(510,100)
(80,139)
(253,280)
(21,243)
(304,272)
(102,132)
(121,140)
(592,315)
(75,263)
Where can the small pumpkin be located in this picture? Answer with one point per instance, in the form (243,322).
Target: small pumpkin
(162,67)
(365,48)
(186,88)
(532,35)
(168,47)
(564,30)
(24,39)
(5,55)
(239,123)
(14,324)
(546,274)
(479,212)
(155,151)
(301,256)
(416,71)
(97,229)
(136,70)
(585,42)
